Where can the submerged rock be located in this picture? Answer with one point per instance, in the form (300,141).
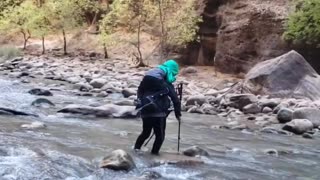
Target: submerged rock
(298,126)
(118,160)
(34,125)
(7,111)
(109,110)
(285,115)
(195,151)
(42,102)
(40,92)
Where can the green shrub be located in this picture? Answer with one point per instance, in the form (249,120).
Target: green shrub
(303,25)
(9,52)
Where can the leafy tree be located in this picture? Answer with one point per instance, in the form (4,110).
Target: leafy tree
(15,20)
(303,25)
(64,16)
(40,25)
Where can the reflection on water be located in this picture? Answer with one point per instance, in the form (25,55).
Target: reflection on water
(72,146)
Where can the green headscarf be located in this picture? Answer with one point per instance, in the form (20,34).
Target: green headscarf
(171,68)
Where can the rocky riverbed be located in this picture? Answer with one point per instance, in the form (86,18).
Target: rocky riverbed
(63,115)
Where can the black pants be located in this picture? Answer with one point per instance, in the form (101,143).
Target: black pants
(158,125)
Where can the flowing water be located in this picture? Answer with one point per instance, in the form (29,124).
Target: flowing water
(71,147)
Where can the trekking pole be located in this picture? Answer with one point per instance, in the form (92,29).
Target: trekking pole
(179,91)
(149,140)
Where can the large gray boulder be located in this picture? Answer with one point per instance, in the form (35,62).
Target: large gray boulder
(239,101)
(298,126)
(311,114)
(118,160)
(196,100)
(285,76)
(195,151)
(109,110)
(285,115)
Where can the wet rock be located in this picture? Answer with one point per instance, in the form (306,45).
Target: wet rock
(251,118)
(196,100)
(298,126)
(195,110)
(42,102)
(239,127)
(307,136)
(7,111)
(239,101)
(109,110)
(275,129)
(270,103)
(284,115)
(98,83)
(272,152)
(124,102)
(72,80)
(195,151)
(34,125)
(118,160)
(40,92)
(289,75)
(81,86)
(208,109)
(266,110)
(102,94)
(311,114)
(148,175)
(127,92)
(252,109)
(279,107)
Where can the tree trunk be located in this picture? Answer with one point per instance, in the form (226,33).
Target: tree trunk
(26,38)
(43,47)
(64,42)
(162,31)
(140,64)
(106,56)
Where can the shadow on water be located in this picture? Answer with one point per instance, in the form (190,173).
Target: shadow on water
(72,146)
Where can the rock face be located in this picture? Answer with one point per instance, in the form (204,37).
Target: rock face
(195,151)
(285,76)
(298,126)
(284,115)
(109,110)
(311,114)
(118,160)
(40,92)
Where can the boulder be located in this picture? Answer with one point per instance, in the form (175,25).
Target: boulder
(284,115)
(8,111)
(34,125)
(118,160)
(270,103)
(85,87)
(196,100)
(279,107)
(298,126)
(98,83)
(311,114)
(195,151)
(109,110)
(239,101)
(127,92)
(252,109)
(42,102)
(266,110)
(289,75)
(40,92)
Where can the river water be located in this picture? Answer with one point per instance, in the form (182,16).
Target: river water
(71,147)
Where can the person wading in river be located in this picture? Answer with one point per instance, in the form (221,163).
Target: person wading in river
(154,92)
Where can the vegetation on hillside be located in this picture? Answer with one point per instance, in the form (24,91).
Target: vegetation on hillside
(174,22)
(303,26)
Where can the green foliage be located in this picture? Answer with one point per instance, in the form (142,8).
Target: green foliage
(7,4)
(303,26)
(16,19)
(182,28)
(9,52)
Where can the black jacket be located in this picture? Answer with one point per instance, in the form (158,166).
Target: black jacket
(151,85)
